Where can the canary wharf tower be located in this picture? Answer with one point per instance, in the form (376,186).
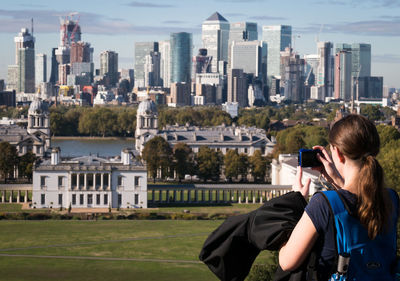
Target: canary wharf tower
(215,37)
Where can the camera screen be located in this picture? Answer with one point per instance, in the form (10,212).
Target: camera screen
(308,158)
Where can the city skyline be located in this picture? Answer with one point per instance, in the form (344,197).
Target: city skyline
(118,25)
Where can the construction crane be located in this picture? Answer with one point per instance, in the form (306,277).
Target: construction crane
(355,88)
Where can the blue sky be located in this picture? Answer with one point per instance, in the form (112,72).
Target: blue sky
(116,25)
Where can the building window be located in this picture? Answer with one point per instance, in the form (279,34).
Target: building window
(73,199)
(42,199)
(60,199)
(97,199)
(136,199)
(119,180)
(105,199)
(81,199)
(137,181)
(60,181)
(245,150)
(119,199)
(42,181)
(90,199)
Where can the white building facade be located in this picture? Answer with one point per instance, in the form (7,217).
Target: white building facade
(90,182)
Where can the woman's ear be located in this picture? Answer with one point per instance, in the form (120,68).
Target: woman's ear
(340,155)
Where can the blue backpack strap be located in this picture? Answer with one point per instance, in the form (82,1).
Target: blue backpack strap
(338,209)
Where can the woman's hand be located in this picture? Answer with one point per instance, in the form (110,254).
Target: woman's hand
(298,184)
(328,168)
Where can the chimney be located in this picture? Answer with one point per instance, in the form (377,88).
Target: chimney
(55,156)
(126,156)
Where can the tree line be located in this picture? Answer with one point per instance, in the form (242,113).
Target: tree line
(164,161)
(11,162)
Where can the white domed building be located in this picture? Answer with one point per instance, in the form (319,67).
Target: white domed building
(146,123)
(36,138)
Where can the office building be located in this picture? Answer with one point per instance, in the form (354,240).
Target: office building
(12,77)
(343,75)
(251,57)
(109,66)
(152,70)
(41,69)
(181,57)
(202,63)
(81,52)
(180,94)
(25,60)
(240,32)
(142,49)
(325,73)
(292,76)
(277,37)
(237,87)
(368,88)
(165,63)
(215,37)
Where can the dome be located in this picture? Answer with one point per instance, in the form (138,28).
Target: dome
(147,107)
(38,106)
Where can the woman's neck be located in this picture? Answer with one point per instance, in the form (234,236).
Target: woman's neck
(351,171)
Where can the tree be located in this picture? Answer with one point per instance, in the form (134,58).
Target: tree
(157,154)
(209,163)
(243,165)
(372,112)
(231,161)
(25,165)
(258,166)
(389,158)
(387,134)
(182,153)
(8,159)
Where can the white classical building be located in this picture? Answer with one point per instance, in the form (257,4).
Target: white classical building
(283,172)
(220,138)
(90,182)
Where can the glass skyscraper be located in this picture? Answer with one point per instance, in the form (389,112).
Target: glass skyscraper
(360,58)
(181,57)
(215,36)
(277,37)
(142,49)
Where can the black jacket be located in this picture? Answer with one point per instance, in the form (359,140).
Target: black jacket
(231,249)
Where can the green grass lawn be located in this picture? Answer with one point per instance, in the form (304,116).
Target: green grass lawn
(176,241)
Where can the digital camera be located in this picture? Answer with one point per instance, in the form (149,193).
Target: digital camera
(308,158)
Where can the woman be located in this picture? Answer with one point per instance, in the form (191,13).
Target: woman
(353,169)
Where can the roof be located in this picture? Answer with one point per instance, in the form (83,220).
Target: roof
(147,107)
(216,17)
(215,135)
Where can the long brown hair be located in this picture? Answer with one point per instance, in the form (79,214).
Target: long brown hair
(357,138)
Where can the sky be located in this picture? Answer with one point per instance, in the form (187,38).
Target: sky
(116,25)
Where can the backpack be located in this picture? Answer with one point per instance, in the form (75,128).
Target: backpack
(360,258)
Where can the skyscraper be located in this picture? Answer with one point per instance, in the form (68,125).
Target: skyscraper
(215,37)
(343,75)
(251,56)
(41,68)
(152,70)
(201,63)
(277,37)
(292,75)
(25,59)
(237,87)
(361,60)
(165,62)
(241,32)
(142,49)
(325,69)
(181,57)
(109,66)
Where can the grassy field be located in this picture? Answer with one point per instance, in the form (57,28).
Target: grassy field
(105,250)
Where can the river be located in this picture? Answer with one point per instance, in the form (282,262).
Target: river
(102,147)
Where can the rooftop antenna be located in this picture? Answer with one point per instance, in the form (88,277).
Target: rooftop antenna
(32,25)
